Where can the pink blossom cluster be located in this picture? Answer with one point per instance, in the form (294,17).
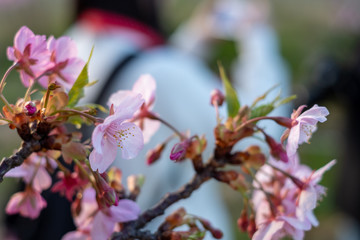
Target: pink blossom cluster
(45,61)
(288,192)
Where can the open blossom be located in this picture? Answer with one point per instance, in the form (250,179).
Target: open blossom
(31,55)
(303,126)
(95,223)
(116,132)
(67,66)
(28,203)
(146,86)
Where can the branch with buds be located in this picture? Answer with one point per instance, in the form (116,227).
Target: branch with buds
(102,206)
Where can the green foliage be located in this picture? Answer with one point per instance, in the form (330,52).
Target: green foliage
(232,102)
(77,90)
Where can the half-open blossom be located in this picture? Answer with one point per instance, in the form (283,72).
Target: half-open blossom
(68,184)
(146,86)
(67,66)
(31,55)
(101,223)
(303,126)
(28,203)
(116,132)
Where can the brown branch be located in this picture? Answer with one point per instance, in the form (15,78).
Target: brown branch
(130,229)
(33,142)
(18,158)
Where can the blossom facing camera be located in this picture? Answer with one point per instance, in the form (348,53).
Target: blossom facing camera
(115,132)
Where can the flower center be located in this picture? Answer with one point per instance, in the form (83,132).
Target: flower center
(121,135)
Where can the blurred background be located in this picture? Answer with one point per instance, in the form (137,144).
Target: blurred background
(319,47)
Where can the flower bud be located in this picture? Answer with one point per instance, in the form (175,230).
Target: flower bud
(178,152)
(243,221)
(154,154)
(30,108)
(106,195)
(276,149)
(217,97)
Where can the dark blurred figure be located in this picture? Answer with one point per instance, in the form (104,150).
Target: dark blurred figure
(340,81)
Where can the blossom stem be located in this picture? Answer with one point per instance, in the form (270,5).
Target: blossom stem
(267,194)
(92,118)
(295,180)
(6,102)
(2,83)
(62,167)
(154,117)
(86,173)
(281,121)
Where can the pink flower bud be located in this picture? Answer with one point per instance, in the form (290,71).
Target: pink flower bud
(30,108)
(154,154)
(107,195)
(178,152)
(217,97)
(276,149)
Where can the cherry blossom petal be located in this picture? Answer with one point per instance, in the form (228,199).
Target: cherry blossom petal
(100,161)
(22,37)
(268,230)
(76,235)
(103,226)
(133,142)
(146,86)
(125,211)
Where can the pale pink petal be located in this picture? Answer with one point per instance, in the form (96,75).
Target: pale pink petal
(316,112)
(132,142)
(296,223)
(307,199)
(267,231)
(12,206)
(22,37)
(11,53)
(42,180)
(20,171)
(126,104)
(150,127)
(146,86)
(65,48)
(317,176)
(101,162)
(76,235)
(293,140)
(103,226)
(125,211)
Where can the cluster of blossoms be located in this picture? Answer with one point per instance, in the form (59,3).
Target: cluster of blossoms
(280,197)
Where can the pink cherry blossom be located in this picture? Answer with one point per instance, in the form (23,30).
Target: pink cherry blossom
(101,223)
(33,172)
(31,55)
(146,86)
(311,192)
(28,203)
(116,132)
(303,126)
(67,66)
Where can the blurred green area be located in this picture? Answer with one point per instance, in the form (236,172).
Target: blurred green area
(306,32)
